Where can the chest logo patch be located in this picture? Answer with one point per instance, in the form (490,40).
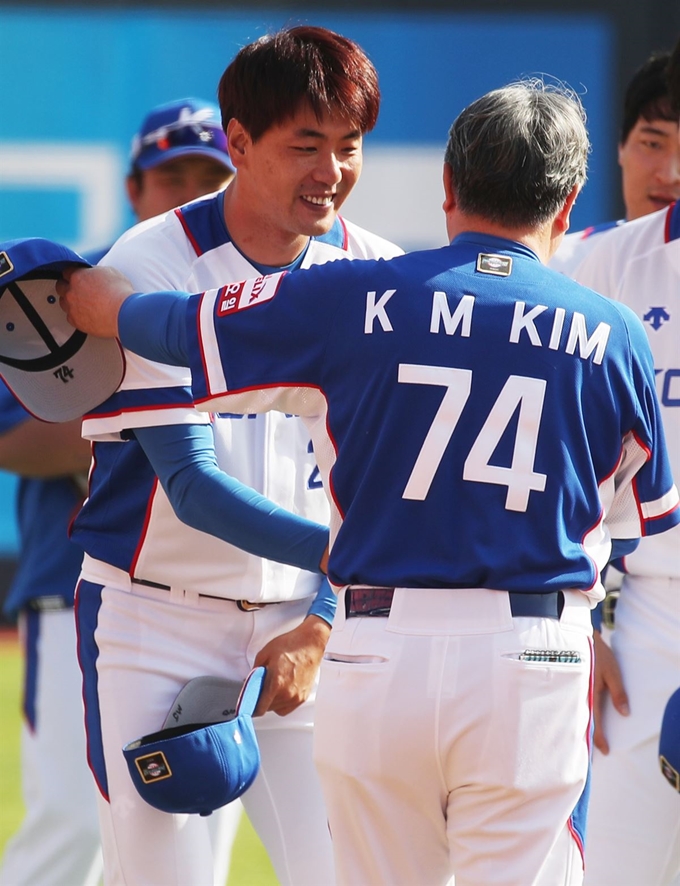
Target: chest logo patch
(498,265)
(656,317)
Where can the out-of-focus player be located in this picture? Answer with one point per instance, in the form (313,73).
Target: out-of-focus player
(160,601)
(58,840)
(648,156)
(634,830)
(475,499)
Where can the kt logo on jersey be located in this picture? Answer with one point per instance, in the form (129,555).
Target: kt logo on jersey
(238,296)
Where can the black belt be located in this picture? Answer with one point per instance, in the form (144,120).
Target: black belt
(52,603)
(243,605)
(378,602)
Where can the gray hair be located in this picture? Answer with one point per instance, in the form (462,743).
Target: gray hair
(517,152)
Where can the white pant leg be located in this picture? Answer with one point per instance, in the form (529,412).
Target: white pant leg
(58,842)
(222,827)
(285,803)
(440,752)
(146,650)
(633,833)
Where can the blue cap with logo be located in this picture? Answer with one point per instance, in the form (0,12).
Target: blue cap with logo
(207,754)
(669,741)
(55,371)
(188,127)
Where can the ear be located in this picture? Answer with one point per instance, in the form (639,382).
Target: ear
(238,141)
(450,201)
(134,192)
(561,221)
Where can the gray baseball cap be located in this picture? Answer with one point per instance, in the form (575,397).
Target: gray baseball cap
(57,372)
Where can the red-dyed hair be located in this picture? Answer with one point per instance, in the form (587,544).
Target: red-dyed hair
(270,79)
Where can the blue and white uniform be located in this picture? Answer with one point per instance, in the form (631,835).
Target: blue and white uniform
(634,834)
(485,429)
(575,247)
(157,604)
(58,839)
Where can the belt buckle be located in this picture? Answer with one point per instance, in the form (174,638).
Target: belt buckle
(247,606)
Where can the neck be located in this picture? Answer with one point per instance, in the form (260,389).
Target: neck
(540,239)
(257,238)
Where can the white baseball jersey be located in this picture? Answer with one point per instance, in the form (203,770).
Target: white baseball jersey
(575,247)
(137,530)
(639,265)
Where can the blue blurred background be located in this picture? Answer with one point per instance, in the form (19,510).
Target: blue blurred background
(78,81)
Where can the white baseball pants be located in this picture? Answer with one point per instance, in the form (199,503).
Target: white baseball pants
(58,840)
(634,820)
(137,650)
(441,752)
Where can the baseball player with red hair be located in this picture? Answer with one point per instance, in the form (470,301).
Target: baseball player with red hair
(173,584)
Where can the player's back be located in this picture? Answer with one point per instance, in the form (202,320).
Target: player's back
(475,395)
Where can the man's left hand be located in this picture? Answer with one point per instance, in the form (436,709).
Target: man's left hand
(292,661)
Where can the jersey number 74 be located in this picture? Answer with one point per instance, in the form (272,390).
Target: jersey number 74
(520,478)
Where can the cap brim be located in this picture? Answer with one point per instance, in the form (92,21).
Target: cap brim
(154,157)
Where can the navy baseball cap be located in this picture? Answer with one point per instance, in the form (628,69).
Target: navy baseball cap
(57,372)
(207,754)
(182,128)
(669,741)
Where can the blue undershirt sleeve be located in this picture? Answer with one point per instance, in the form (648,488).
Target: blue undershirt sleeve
(154,326)
(325,602)
(204,497)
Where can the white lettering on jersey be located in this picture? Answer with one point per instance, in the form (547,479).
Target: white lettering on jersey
(377,310)
(462,314)
(556,333)
(522,321)
(578,335)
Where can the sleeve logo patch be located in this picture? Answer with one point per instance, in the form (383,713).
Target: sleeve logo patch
(153,767)
(499,265)
(239,296)
(6,265)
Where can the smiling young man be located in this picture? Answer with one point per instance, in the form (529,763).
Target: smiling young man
(648,155)
(160,601)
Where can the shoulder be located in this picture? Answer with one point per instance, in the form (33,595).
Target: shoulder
(575,247)
(364,244)
(154,254)
(347,240)
(639,236)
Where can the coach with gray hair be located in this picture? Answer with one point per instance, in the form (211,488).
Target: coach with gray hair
(489,436)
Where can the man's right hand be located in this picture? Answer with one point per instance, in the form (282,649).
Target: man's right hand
(91,298)
(608,679)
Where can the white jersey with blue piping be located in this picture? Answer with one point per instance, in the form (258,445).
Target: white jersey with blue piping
(136,529)
(575,247)
(479,420)
(639,266)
